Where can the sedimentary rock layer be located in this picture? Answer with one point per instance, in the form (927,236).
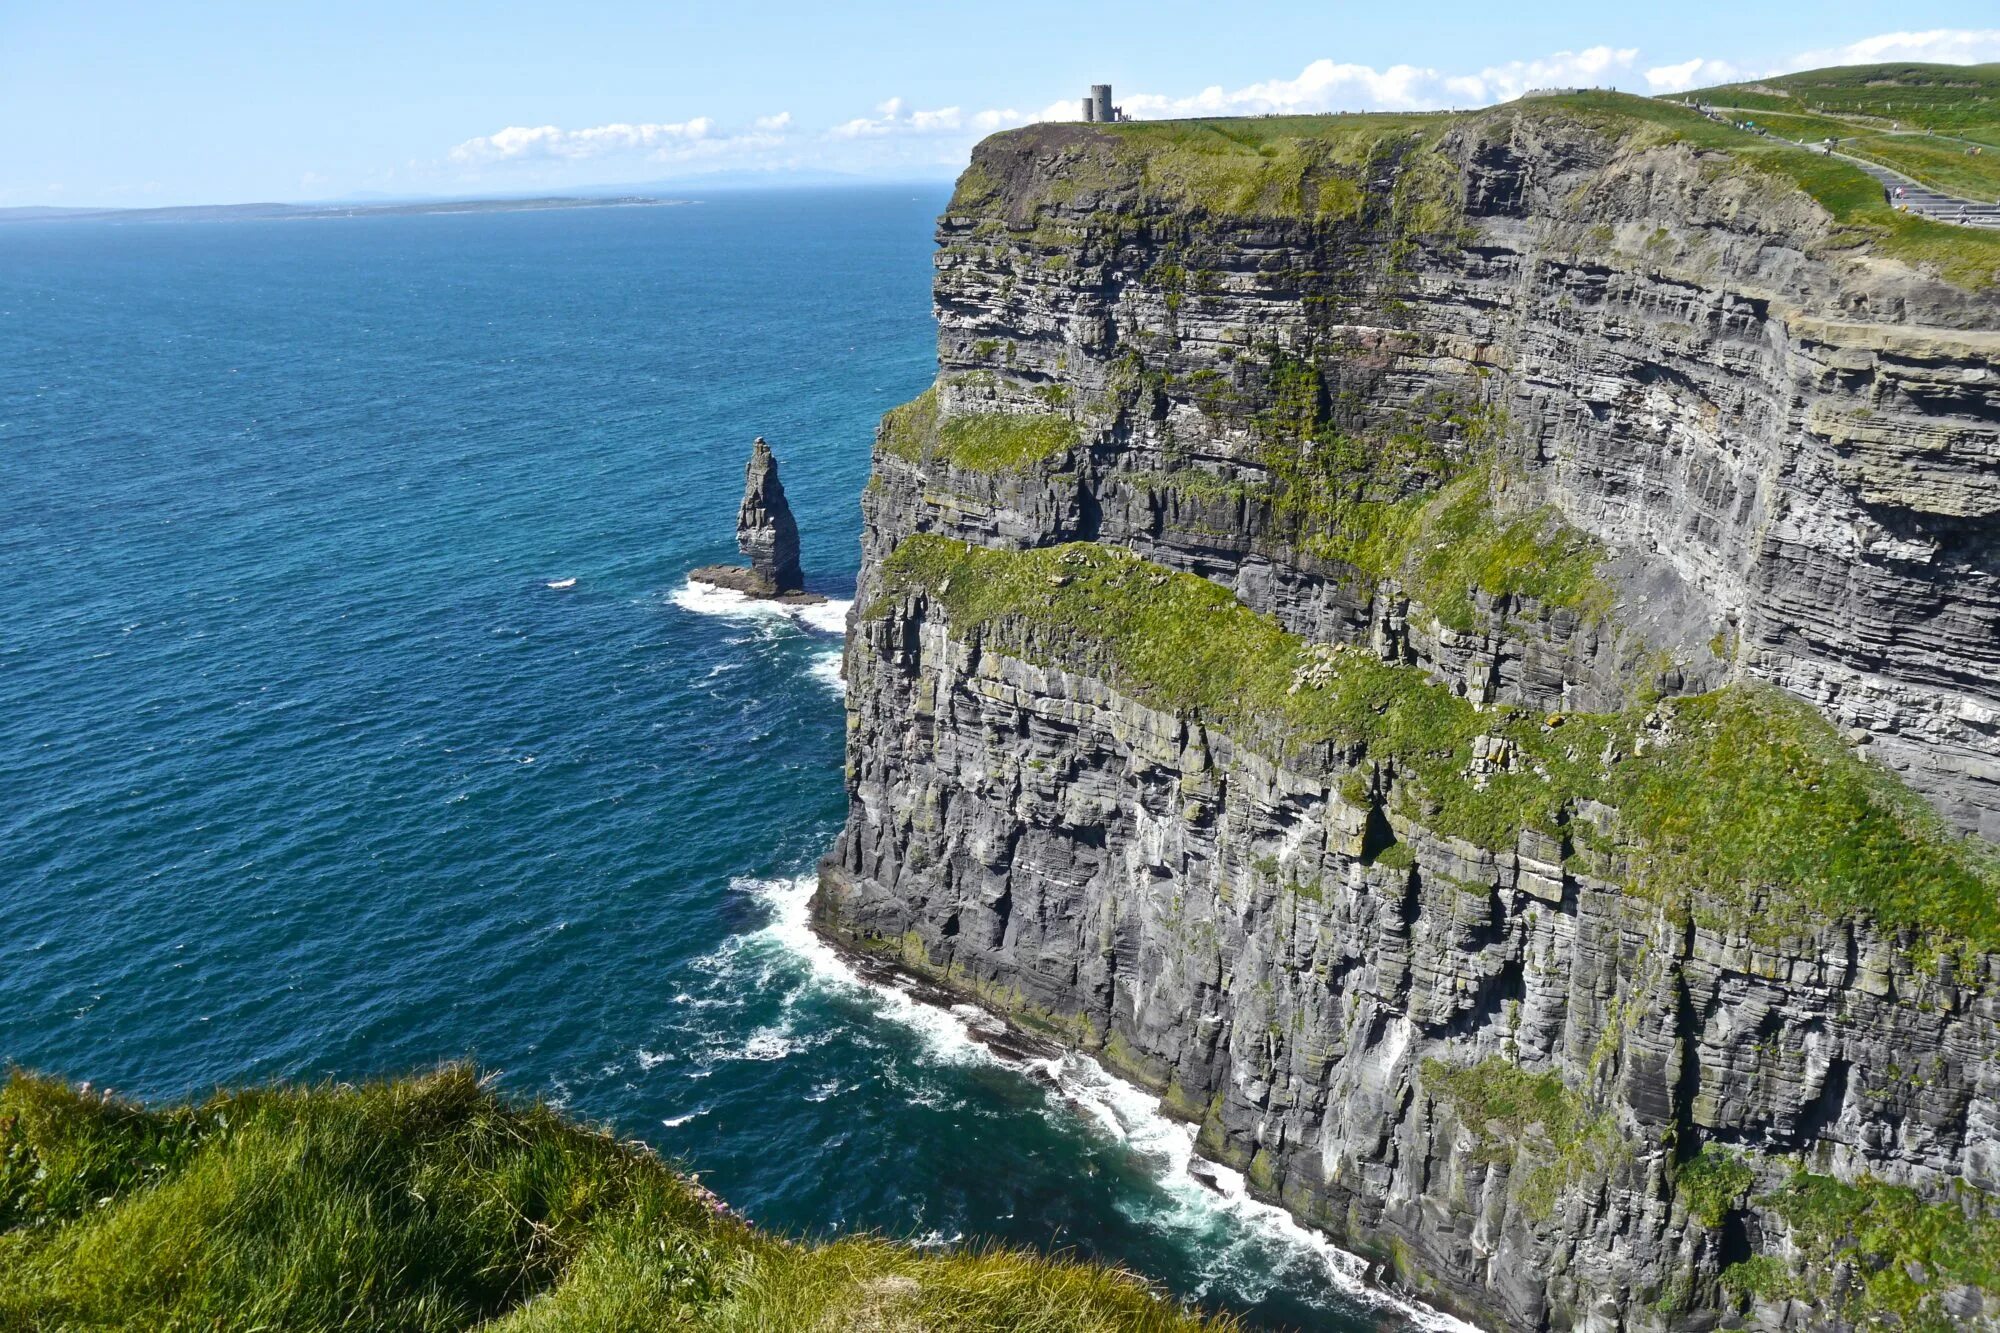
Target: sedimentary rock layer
(1576,425)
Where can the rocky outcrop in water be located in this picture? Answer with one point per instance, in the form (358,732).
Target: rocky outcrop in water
(1501,916)
(767,534)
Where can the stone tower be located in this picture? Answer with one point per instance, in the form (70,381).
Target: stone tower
(1100,103)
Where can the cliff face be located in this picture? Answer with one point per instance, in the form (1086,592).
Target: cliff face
(1317,646)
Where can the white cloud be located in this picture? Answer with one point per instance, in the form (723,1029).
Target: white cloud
(1326,86)
(1595,67)
(1943,46)
(1696,73)
(523,143)
(899,136)
(890,118)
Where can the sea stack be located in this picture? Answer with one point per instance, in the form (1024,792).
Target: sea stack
(766,534)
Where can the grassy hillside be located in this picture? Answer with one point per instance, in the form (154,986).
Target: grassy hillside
(1950,98)
(429,1204)
(1923,120)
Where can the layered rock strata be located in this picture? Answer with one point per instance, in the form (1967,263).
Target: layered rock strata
(1533,451)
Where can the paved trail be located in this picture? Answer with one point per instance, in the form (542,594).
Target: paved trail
(1919,198)
(1931,203)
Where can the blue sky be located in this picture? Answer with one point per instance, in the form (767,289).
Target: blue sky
(169,102)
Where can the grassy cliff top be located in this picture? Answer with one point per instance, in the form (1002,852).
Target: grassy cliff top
(1283,166)
(1952,98)
(430,1204)
(1939,124)
(1325,168)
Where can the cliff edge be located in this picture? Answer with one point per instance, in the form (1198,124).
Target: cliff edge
(1464,650)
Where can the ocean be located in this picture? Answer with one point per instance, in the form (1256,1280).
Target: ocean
(357,714)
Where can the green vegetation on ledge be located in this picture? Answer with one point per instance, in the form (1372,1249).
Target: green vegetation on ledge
(429,1204)
(918,432)
(1740,807)
(1510,1110)
(1877,1255)
(1713,1182)
(1424,504)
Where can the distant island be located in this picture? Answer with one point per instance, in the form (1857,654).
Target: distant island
(247,212)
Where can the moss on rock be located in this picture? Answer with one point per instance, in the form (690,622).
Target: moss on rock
(1742,806)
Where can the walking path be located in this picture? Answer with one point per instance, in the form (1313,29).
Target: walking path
(1917,198)
(1923,200)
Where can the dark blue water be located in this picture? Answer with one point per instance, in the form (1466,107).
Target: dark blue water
(308,771)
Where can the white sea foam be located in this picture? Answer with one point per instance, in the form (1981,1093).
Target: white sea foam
(1202,1189)
(676,1121)
(1203,1192)
(946,1037)
(828,617)
(560,585)
(766,1044)
(826,670)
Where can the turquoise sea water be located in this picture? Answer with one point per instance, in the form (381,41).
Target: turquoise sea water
(311,770)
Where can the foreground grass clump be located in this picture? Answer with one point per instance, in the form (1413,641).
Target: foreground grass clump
(1739,807)
(431,1204)
(1877,1255)
(919,432)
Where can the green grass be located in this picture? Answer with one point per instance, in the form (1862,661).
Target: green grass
(1423,502)
(1714,1182)
(1939,163)
(1462,542)
(1967,256)
(1936,97)
(1512,1112)
(430,1204)
(1742,806)
(1280,166)
(918,432)
(1321,167)
(1901,1253)
(1503,1104)
(1862,106)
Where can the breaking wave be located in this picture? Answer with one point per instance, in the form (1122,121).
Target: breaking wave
(1205,1199)
(828,617)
